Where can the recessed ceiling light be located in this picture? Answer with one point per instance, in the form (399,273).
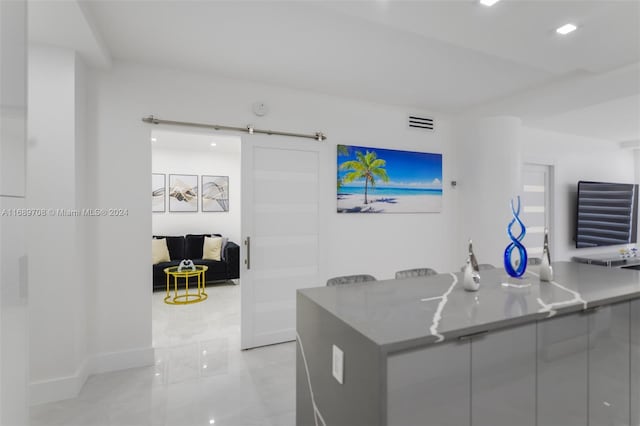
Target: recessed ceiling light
(154,139)
(488,2)
(566,29)
(213,144)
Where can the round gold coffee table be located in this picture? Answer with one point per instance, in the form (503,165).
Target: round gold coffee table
(186,297)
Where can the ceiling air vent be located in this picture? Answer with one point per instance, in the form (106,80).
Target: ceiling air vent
(423,123)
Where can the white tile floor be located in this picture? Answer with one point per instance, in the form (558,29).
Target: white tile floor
(200,377)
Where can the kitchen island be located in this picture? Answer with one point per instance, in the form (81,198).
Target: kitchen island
(423,351)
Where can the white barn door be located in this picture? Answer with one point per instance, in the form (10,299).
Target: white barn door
(281,224)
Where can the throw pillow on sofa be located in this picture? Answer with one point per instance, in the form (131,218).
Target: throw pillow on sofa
(212,248)
(159,250)
(225,240)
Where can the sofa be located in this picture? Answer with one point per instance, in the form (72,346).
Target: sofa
(190,246)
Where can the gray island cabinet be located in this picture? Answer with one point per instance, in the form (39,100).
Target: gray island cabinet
(423,351)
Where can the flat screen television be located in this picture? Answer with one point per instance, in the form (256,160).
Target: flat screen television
(607,214)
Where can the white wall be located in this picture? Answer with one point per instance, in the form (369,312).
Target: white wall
(82,321)
(13,90)
(575,158)
(490,153)
(55,180)
(416,239)
(636,156)
(383,244)
(14,330)
(211,163)
(119,166)
(121,161)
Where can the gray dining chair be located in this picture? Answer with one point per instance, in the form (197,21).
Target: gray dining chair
(415,272)
(348,279)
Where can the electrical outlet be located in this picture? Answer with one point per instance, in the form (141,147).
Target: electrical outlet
(337,364)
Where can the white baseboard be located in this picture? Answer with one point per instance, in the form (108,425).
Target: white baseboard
(42,392)
(60,388)
(114,361)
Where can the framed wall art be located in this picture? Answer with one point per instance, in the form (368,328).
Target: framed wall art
(215,193)
(376,180)
(158,191)
(183,193)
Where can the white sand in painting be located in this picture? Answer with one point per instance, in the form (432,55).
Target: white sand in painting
(354,203)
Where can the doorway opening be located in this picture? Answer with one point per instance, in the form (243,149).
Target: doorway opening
(196,186)
(279,226)
(537,199)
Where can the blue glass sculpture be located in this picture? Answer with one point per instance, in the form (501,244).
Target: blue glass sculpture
(515,243)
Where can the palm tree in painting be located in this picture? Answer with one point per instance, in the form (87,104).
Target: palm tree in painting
(366,166)
(342,150)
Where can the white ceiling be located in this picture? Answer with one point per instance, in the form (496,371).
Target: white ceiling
(453,56)
(64,23)
(592,120)
(519,31)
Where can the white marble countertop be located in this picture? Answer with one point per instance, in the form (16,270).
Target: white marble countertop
(402,314)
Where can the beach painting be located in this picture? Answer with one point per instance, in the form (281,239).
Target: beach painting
(376,180)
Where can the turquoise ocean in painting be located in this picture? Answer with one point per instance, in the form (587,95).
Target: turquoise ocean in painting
(386,191)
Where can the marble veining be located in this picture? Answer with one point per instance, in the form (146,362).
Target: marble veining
(549,307)
(512,285)
(438,315)
(316,411)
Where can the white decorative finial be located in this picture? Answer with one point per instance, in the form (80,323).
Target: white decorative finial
(471,278)
(546,270)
